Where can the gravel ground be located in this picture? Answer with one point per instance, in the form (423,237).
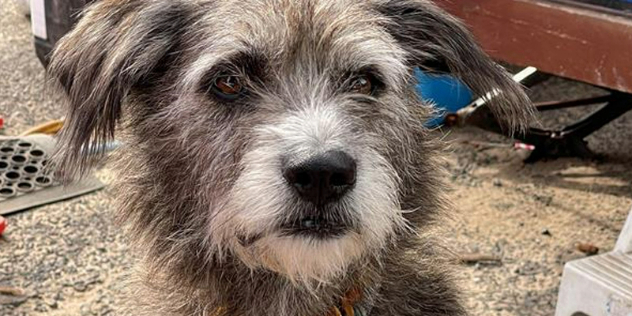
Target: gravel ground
(67,257)
(70,257)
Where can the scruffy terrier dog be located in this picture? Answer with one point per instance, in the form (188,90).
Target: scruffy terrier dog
(276,161)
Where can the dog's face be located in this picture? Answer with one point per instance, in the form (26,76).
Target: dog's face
(285,133)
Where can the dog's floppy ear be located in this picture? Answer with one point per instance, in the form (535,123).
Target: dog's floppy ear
(437,42)
(115,45)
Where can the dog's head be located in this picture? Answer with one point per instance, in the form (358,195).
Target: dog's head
(284,133)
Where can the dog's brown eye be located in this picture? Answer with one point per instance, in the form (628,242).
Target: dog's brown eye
(361,85)
(228,87)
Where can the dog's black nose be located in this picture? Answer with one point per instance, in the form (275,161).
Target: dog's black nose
(324,178)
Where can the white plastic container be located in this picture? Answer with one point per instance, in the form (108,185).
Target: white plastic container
(599,285)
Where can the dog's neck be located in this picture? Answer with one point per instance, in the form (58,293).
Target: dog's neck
(348,306)
(268,293)
(229,288)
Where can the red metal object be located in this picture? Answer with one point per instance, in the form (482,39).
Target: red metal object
(3,225)
(1,122)
(580,42)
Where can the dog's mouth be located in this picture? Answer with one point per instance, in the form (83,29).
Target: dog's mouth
(316,227)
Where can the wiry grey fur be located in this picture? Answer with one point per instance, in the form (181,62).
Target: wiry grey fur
(200,180)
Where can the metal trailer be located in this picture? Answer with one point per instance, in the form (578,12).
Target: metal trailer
(584,40)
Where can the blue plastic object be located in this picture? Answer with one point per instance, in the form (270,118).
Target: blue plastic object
(446,93)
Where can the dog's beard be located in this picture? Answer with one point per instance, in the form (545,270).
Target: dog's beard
(267,226)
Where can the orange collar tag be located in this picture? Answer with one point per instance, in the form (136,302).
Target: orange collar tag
(347,304)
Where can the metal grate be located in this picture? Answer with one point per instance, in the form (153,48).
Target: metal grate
(22,169)
(25,180)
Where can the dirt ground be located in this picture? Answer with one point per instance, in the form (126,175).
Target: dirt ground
(69,258)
